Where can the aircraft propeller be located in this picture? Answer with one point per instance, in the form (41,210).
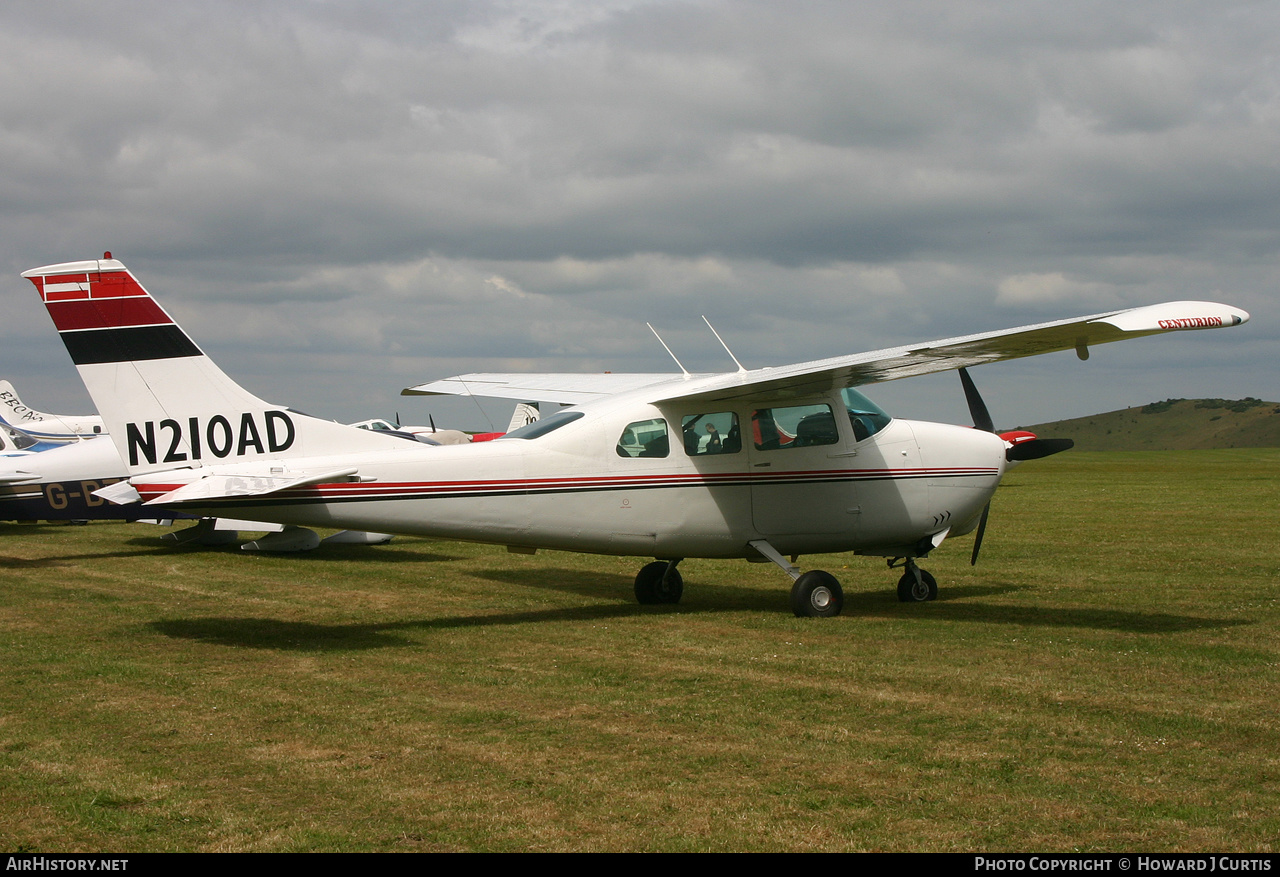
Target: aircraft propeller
(1032,449)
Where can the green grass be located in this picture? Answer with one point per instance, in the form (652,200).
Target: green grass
(1174,425)
(1107,678)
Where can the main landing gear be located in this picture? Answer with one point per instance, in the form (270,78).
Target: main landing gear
(815,594)
(659,582)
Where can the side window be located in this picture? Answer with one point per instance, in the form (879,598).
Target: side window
(645,438)
(800,426)
(716,433)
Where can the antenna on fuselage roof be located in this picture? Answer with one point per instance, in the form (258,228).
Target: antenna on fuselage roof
(722,344)
(666,348)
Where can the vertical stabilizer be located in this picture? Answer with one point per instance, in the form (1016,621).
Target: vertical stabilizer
(164,401)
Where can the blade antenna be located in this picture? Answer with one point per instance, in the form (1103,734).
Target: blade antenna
(722,344)
(666,348)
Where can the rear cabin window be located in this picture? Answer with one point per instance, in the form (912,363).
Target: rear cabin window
(644,438)
(715,433)
(799,426)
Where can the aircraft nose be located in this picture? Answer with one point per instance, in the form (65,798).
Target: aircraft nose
(965,466)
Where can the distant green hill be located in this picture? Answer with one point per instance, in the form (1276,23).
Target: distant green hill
(1173,425)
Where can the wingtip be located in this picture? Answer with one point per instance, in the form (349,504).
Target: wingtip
(1177,316)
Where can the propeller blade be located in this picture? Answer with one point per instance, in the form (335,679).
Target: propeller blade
(977,539)
(977,408)
(1034,449)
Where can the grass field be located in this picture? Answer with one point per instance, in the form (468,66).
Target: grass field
(1107,678)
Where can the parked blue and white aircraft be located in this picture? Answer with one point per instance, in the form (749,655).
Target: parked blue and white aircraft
(796,460)
(45,427)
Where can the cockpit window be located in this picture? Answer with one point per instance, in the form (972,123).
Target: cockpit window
(864,415)
(799,426)
(541,427)
(644,438)
(17,441)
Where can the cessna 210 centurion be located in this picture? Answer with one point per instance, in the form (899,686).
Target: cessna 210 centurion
(762,464)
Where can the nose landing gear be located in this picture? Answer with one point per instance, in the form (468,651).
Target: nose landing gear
(916,585)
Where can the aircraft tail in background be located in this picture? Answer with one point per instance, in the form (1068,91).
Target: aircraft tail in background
(45,427)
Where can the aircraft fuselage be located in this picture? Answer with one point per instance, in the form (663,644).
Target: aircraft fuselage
(638,479)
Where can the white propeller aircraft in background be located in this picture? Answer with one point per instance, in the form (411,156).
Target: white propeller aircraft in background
(761,464)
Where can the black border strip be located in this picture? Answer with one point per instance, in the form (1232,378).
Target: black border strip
(130,344)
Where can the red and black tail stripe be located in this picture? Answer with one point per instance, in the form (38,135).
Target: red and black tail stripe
(106,316)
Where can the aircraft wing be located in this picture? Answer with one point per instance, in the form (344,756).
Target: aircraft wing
(567,389)
(966,351)
(877,366)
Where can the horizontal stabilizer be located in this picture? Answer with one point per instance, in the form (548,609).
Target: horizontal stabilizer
(237,485)
(237,524)
(120,493)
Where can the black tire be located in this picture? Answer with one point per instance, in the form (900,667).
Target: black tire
(910,592)
(817,594)
(655,585)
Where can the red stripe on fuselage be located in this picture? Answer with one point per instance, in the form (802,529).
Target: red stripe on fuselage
(374,491)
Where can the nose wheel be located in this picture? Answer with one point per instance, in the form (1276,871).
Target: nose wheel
(916,585)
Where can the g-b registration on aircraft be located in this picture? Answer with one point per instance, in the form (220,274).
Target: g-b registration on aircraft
(762,464)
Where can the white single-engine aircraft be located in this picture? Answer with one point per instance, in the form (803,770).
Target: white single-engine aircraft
(759,464)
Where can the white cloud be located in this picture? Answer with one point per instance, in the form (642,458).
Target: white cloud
(1052,289)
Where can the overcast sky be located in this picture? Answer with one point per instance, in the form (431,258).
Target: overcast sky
(341,199)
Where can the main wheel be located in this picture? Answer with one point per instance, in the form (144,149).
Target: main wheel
(816,594)
(654,584)
(911,591)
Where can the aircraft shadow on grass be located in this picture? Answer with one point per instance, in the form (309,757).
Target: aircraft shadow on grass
(954,609)
(269,633)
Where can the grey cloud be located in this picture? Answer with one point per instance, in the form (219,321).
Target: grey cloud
(817,177)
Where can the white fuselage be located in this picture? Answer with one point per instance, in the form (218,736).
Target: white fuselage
(590,486)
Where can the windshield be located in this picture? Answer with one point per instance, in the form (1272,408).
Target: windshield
(866,416)
(17,440)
